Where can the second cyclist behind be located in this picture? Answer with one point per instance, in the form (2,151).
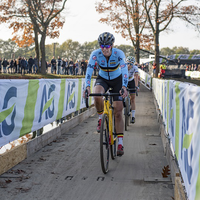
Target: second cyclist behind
(132,83)
(113,73)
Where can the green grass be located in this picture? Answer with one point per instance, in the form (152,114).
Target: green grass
(38,76)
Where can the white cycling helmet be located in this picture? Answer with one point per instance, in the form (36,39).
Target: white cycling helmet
(130,59)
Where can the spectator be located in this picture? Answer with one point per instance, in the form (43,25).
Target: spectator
(10,68)
(63,65)
(154,69)
(66,67)
(30,64)
(59,65)
(15,66)
(83,67)
(53,65)
(76,67)
(71,65)
(5,64)
(19,64)
(35,66)
(23,66)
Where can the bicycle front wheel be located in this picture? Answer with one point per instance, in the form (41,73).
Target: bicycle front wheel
(104,143)
(113,147)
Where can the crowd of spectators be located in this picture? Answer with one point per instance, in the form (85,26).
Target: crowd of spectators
(62,66)
(19,65)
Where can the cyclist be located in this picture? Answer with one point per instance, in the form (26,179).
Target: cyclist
(113,73)
(132,83)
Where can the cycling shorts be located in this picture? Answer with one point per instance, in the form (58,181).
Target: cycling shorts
(114,84)
(131,85)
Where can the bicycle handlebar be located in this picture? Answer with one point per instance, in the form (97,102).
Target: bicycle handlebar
(105,94)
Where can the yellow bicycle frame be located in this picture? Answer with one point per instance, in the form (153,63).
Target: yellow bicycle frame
(108,111)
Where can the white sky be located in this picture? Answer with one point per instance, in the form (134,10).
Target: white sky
(82,25)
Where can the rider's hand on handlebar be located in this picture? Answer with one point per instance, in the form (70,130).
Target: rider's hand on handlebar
(88,91)
(123,92)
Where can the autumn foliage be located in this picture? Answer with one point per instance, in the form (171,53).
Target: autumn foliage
(32,18)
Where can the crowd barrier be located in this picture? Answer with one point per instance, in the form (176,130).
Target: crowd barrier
(28,105)
(145,79)
(179,104)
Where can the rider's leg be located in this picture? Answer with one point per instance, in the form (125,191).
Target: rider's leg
(119,125)
(98,102)
(132,97)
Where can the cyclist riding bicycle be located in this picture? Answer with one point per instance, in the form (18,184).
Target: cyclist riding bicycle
(113,73)
(132,83)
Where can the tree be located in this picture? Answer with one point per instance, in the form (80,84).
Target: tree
(181,50)
(38,17)
(160,14)
(70,49)
(128,18)
(87,48)
(166,51)
(127,49)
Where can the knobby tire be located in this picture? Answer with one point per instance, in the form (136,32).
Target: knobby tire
(104,143)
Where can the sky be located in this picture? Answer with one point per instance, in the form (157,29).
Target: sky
(82,25)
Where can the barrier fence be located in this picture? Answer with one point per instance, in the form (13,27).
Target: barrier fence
(179,104)
(28,105)
(146,79)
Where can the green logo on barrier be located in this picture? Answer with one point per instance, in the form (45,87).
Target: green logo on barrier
(48,103)
(187,141)
(4,114)
(71,97)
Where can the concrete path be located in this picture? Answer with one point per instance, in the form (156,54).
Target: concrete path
(69,168)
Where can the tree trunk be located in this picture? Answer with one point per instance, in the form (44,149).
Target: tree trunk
(137,30)
(156,46)
(42,51)
(37,50)
(137,52)
(156,43)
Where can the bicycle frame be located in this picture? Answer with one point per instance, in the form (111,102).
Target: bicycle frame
(109,111)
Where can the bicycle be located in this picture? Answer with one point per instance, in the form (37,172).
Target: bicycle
(127,108)
(108,136)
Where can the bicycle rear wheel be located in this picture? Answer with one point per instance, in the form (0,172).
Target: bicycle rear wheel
(113,147)
(104,143)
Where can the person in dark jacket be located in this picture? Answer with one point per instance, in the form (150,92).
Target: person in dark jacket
(71,66)
(30,64)
(5,64)
(14,66)
(59,61)
(83,67)
(23,65)
(53,65)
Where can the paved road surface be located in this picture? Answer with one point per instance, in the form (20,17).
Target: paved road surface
(69,168)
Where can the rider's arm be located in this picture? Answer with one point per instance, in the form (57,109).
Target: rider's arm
(124,69)
(136,79)
(90,68)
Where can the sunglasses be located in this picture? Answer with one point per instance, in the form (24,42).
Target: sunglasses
(129,63)
(105,46)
